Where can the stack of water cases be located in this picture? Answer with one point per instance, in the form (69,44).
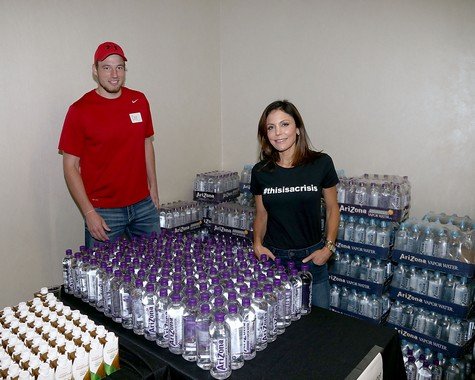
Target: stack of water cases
(433,289)
(371,206)
(231,212)
(181,216)
(207,299)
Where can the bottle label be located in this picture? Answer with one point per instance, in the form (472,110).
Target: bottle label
(261,326)
(249,336)
(150,319)
(125,305)
(221,355)
(162,322)
(202,336)
(175,332)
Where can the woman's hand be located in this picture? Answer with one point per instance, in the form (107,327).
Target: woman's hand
(260,250)
(319,257)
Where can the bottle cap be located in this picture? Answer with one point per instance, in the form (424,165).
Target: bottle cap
(150,287)
(219,317)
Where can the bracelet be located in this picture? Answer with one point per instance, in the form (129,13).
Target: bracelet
(89,212)
(331,246)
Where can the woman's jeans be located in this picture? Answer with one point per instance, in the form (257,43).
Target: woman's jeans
(141,218)
(320,285)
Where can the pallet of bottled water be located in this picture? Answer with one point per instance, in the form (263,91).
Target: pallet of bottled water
(444,293)
(232,219)
(438,243)
(370,237)
(385,197)
(372,308)
(216,186)
(361,273)
(181,216)
(442,333)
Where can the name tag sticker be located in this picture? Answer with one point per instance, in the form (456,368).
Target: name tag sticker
(135,117)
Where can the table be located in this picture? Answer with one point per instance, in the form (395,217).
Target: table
(322,345)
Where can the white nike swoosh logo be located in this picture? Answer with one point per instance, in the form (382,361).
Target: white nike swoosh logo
(135,101)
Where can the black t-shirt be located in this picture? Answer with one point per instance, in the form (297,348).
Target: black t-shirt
(292,200)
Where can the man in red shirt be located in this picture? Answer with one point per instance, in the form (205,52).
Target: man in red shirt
(108,154)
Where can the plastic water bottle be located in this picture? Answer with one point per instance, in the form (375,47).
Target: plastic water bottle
(361,194)
(413,238)
(452,372)
(350,229)
(107,291)
(272,299)
(377,272)
(138,307)
(360,231)
(443,328)
(335,296)
(235,324)
(189,330)
(83,278)
(370,232)
(400,240)
(249,329)
(455,333)
(288,299)
(395,313)
(426,245)
(307,280)
(384,196)
(344,265)
(423,282)
(382,235)
(350,192)
(162,320)
(175,312)
(395,199)
(220,348)
(376,308)
(67,275)
(374,195)
(411,368)
(436,370)
(449,289)
(435,286)
(461,293)
(149,301)
(341,228)
(203,323)
(353,302)
(441,244)
(355,265)
(115,296)
(91,282)
(125,290)
(296,283)
(260,307)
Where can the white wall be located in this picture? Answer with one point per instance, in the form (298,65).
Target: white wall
(47,51)
(383,87)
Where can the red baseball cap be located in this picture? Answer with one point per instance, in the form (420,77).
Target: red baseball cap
(108,48)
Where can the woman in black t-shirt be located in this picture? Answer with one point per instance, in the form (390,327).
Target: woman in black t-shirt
(288,184)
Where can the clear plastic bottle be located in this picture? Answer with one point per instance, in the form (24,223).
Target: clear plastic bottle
(426,243)
(203,323)
(91,282)
(370,232)
(138,308)
(220,348)
(436,370)
(175,312)
(125,290)
(361,194)
(307,280)
(249,329)
(189,330)
(288,299)
(83,278)
(400,240)
(235,324)
(350,229)
(360,231)
(353,301)
(355,266)
(67,268)
(383,235)
(374,195)
(101,275)
(149,302)
(279,291)
(461,293)
(260,307)
(377,272)
(296,283)
(448,290)
(452,372)
(162,321)
(395,313)
(115,296)
(272,299)
(335,296)
(435,286)
(411,368)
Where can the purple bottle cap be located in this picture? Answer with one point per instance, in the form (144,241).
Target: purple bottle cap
(109,270)
(277,261)
(152,278)
(215,281)
(117,273)
(268,288)
(246,301)
(141,273)
(127,278)
(261,277)
(176,297)
(190,281)
(163,292)
(258,293)
(192,301)
(253,284)
(290,265)
(294,271)
(163,281)
(217,290)
(243,288)
(138,283)
(232,296)
(204,296)
(189,291)
(305,267)
(218,302)
(219,317)
(150,287)
(176,276)
(240,278)
(203,286)
(69,252)
(205,309)
(232,308)
(284,277)
(103,264)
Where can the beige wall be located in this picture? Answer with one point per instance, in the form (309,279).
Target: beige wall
(46,56)
(383,86)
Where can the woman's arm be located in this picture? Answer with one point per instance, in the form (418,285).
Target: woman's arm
(260,227)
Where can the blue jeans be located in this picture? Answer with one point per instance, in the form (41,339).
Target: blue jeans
(320,284)
(139,219)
